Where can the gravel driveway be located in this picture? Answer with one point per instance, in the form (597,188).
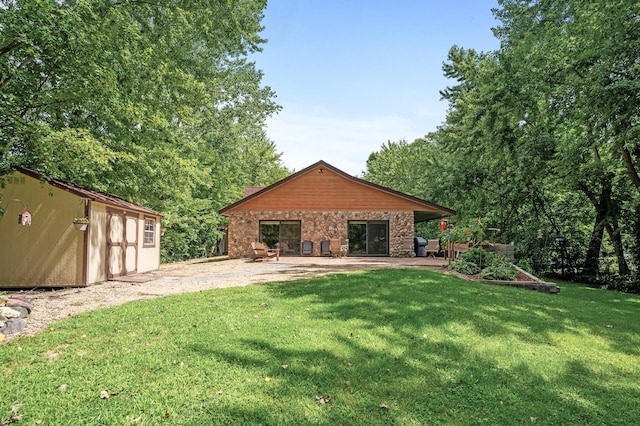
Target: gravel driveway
(192,276)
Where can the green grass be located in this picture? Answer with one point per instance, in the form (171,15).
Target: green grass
(434,349)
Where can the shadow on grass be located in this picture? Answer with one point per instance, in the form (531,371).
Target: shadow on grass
(378,347)
(416,297)
(433,348)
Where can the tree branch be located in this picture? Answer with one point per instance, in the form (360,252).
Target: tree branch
(10,47)
(9,78)
(628,162)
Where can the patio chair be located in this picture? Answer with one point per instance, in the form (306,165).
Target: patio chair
(325,248)
(262,252)
(433,247)
(334,247)
(407,249)
(344,247)
(460,248)
(307,248)
(284,248)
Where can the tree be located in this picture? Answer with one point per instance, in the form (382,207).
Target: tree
(541,136)
(578,59)
(153,101)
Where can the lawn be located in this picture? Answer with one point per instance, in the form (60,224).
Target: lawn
(400,346)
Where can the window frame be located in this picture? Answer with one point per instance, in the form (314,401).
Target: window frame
(282,233)
(151,231)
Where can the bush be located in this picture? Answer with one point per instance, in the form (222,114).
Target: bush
(499,271)
(463,267)
(524,264)
(478,256)
(612,281)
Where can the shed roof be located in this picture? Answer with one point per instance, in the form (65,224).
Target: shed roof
(423,210)
(90,194)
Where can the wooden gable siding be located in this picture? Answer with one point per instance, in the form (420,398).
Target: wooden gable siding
(328,191)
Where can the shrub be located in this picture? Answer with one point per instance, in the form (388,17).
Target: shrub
(499,271)
(612,281)
(463,267)
(479,257)
(524,264)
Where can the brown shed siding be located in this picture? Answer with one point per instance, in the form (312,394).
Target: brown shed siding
(52,252)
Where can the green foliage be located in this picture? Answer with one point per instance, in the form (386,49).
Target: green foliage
(463,266)
(525,265)
(155,102)
(407,167)
(266,354)
(612,281)
(569,74)
(499,271)
(540,139)
(478,256)
(191,229)
(493,267)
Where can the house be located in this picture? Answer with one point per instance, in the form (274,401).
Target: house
(112,237)
(321,203)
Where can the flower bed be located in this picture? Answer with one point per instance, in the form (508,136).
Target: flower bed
(498,270)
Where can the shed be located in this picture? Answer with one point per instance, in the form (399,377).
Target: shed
(322,203)
(118,238)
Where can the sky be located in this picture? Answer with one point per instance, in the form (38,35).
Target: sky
(351,75)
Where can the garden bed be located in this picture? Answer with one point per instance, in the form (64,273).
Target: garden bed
(522,280)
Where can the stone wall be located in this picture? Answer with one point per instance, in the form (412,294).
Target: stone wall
(317,226)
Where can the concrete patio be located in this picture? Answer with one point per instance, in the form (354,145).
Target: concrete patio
(354,260)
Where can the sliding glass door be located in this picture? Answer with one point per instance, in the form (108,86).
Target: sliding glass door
(281,234)
(369,238)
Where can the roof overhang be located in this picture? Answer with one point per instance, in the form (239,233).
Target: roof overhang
(431,210)
(89,194)
(426,216)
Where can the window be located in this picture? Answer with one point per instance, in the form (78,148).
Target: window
(149,231)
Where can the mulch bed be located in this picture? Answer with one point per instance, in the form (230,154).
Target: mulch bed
(520,278)
(524,277)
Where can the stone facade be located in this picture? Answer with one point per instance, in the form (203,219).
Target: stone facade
(316,226)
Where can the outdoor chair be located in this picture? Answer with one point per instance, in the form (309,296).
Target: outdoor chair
(460,248)
(407,248)
(325,248)
(344,247)
(339,248)
(334,245)
(262,252)
(433,247)
(307,248)
(284,248)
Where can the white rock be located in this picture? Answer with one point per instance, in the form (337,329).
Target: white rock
(9,312)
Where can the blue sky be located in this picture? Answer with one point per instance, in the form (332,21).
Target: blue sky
(351,75)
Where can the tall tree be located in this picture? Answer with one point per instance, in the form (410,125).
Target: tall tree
(144,99)
(579,60)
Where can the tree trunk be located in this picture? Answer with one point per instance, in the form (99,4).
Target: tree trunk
(628,163)
(636,245)
(614,234)
(592,259)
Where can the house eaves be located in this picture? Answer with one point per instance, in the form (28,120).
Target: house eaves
(420,216)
